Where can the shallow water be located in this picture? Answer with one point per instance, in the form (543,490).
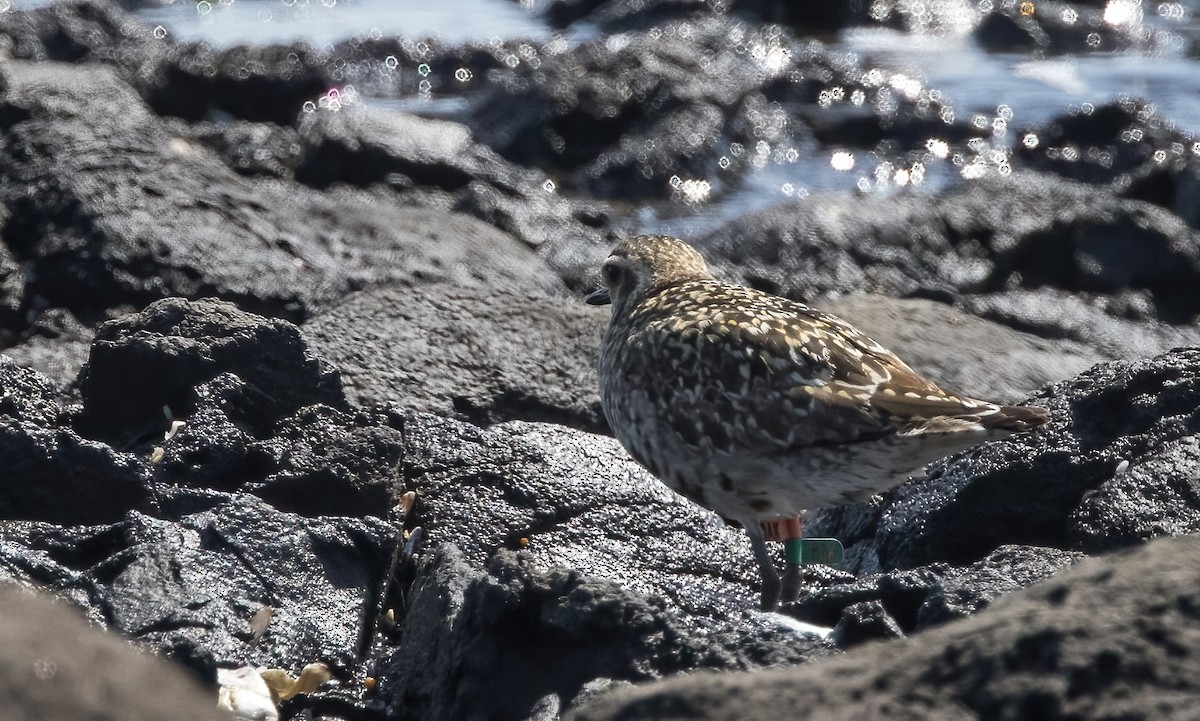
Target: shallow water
(1003,94)
(225,23)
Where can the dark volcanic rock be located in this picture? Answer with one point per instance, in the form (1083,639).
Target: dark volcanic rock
(482,356)
(53,475)
(50,473)
(143,362)
(249,148)
(12,288)
(317,462)
(1046,233)
(966,591)
(1115,637)
(516,634)
(901,602)
(79,31)
(110,209)
(623,122)
(1051,28)
(1126,145)
(196,82)
(27,395)
(865,621)
(897,595)
(684,109)
(189,587)
(1072,318)
(1159,496)
(362,146)
(142,540)
(56,345)
(579,502)
(56,666)
(999,32)
(677,592)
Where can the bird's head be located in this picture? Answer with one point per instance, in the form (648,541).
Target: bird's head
(643,266)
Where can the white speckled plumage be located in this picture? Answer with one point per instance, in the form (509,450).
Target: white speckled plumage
(760,407)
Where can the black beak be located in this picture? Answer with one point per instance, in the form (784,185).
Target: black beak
(599,297)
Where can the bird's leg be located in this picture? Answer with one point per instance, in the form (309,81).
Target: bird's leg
(789,531)
(766,567)
(791,571)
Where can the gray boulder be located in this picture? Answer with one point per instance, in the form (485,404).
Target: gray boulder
(481,355)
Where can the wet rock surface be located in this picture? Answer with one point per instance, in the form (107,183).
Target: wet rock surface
(236,332)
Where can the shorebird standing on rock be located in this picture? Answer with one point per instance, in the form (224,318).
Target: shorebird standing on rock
(760,407)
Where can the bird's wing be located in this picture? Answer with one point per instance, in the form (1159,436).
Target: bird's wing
(879,383)
(780,374)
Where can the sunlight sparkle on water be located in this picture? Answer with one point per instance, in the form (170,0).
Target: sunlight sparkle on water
(1123,12)
(938,148)
(771,55)
(907,86)
(1173,11)
(842,160)
(692,191)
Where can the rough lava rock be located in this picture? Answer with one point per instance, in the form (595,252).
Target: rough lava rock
(1114,637)
(111,209)
(621,124)
(55,344)
(519,635)
(655,584)
(1047,233)
(439,161)
(483,356)
(50,473)
(144,362)
(187,583)
(166,544)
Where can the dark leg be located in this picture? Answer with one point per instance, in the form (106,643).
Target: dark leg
(789,530)
(766,568)
(791,582)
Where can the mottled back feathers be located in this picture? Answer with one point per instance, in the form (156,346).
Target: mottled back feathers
(735,368)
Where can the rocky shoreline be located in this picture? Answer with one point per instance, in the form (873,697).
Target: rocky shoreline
(235,332)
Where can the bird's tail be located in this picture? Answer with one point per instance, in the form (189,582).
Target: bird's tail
(1015,418)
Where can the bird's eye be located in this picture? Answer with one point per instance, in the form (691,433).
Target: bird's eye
(612,273)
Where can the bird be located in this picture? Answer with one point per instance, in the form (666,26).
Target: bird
(760,407)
